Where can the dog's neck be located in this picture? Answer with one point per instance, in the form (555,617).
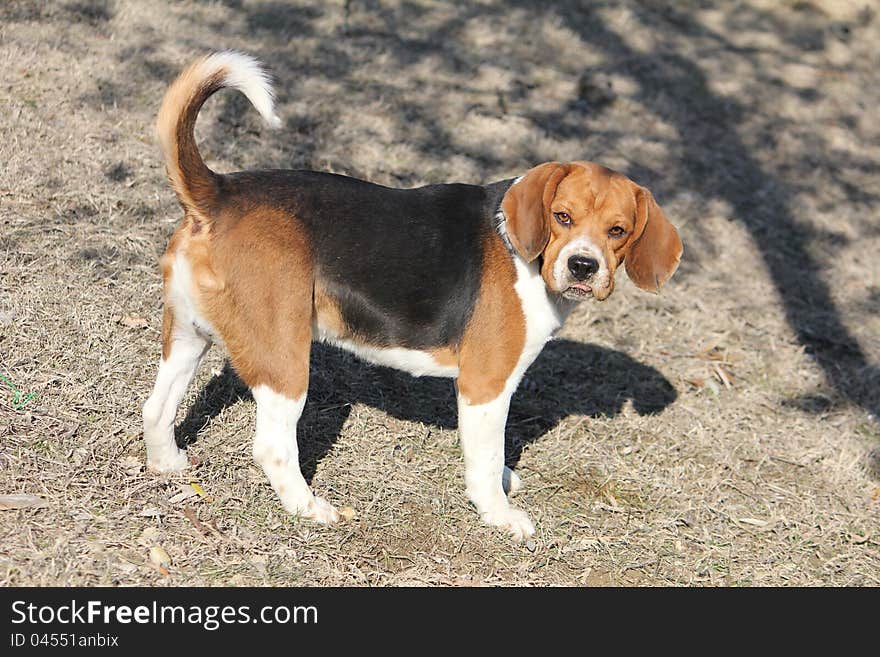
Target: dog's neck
(492,209)
(494,196)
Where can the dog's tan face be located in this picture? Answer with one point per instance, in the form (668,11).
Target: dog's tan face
(585,220)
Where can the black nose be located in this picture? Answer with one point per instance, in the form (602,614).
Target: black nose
(582,267)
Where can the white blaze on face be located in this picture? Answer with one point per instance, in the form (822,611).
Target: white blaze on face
(580,246)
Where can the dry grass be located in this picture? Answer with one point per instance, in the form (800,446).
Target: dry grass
(723,433)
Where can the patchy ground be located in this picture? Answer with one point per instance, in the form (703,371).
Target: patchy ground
(723,433)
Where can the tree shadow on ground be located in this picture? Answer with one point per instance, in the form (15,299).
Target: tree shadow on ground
(568,378)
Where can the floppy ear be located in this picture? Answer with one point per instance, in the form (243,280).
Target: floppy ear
(526,208)
(655,251)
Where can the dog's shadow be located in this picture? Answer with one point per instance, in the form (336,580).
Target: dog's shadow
(568,378)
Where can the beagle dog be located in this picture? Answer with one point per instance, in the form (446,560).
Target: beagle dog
(460,281)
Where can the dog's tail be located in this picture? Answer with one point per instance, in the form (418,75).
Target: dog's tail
(195,184)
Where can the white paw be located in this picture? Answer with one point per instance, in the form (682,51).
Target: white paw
(170,460)
(319,510)
(322,511)
(511,520)
(511,482)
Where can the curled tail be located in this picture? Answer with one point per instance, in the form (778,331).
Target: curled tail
(194,183)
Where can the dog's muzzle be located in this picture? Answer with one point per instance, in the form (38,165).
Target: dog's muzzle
(582,270)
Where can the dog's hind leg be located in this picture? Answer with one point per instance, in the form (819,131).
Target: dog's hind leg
(269,342)
(280,393)
(276,450)
(182,350)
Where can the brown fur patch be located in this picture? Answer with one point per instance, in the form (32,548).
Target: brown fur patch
(167,330)
(446,356)
(496,334)
(327,314)
(261,305)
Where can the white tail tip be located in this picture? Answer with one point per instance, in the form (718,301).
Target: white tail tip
(246,74)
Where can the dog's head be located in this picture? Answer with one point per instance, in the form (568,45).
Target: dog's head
(584,220)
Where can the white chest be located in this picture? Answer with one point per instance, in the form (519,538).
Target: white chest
(544,315)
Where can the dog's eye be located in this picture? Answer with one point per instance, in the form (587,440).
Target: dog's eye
(616,231)
(563,218)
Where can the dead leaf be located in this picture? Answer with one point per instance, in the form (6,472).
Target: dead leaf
(131,321)
(753,521)
(722,375)
(201,491)
(759,525)
(159,558)
(185,493)
(347,513)
(22,501)
(716,354)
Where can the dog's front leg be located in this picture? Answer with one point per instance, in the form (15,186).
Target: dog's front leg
(481,429)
